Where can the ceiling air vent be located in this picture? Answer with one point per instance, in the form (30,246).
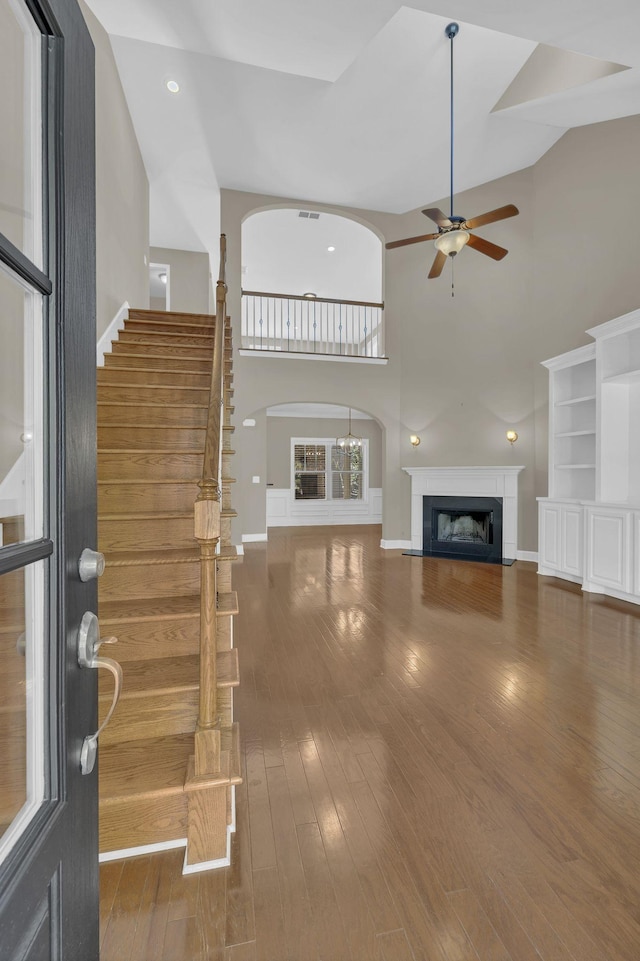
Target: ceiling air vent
(309,215)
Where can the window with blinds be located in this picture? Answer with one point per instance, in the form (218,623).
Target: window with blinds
(323,471)
(310,466)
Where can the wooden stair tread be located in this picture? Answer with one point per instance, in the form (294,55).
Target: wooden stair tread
(177,555)
(131,324)
(144,769)
(120,423)
(139,406)
(168,357)
(146,515)
(158,766)
(152,329)
(140,313)
(146,370)
(227,603)
(157,481)
(147,387)
(170,674)
(148,608)
(207,341)
(150,450)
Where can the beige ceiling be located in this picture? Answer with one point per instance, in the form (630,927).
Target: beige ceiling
(346,101)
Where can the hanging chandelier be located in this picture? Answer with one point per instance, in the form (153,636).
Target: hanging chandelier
(349,442)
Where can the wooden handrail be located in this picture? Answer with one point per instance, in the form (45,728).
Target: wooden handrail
(311,300)
(207,532)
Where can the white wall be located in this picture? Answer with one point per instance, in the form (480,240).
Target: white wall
(288,254)
(122,192)
(189,278)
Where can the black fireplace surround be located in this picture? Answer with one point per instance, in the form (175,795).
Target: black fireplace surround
(464,528)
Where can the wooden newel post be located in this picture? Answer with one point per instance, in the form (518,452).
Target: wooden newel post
(207,532)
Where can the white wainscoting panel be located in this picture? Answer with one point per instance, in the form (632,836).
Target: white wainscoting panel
(284,511)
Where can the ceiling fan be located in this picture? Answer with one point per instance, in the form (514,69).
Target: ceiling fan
(454,232)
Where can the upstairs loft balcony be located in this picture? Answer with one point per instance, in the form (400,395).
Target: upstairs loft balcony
(290,325)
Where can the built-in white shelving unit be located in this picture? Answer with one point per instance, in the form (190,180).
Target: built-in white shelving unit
(572,424)
(589,525)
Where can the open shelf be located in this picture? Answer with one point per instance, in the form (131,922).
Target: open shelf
(575,400)
(624,377)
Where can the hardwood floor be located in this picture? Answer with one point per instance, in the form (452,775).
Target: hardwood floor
(442,763)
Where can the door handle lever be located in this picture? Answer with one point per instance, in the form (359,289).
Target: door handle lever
(89,642)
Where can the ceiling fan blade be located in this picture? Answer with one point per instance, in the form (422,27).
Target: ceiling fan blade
(501,213)
(438,217)
(438,264)
(485,247)
(410,240)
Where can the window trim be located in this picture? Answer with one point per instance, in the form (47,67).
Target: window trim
(328,442)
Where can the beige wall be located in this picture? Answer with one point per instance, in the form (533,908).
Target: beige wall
(122,192)
(463,370)
(189,278)
(280,430)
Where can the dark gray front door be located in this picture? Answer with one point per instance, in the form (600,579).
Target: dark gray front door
(48,704)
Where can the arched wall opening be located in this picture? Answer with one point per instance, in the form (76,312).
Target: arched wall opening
(296,489)
(301,250)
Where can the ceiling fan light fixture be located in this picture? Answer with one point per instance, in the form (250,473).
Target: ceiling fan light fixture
(451,242)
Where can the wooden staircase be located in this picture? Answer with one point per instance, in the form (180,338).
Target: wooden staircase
(160,784)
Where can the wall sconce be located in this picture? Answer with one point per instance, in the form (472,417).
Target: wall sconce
(512,436)
(415,440)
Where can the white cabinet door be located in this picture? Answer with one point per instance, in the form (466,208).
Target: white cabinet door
(608,543)
(549,537)
(572,539)
(636,553)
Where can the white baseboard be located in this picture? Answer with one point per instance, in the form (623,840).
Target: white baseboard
(527,556)
(142,849)
(117,324)
(254,538)
(395,545)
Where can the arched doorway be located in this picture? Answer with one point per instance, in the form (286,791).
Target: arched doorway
(311,283)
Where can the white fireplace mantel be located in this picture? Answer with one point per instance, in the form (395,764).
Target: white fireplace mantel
(467,482)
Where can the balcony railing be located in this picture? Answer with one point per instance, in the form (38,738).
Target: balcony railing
(311,325)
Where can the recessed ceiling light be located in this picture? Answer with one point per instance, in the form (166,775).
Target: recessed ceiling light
(331,249)
(173,86)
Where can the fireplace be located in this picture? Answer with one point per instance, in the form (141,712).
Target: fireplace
(458,482)
(463,527)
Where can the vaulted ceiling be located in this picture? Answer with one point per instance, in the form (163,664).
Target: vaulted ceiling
(347,101)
